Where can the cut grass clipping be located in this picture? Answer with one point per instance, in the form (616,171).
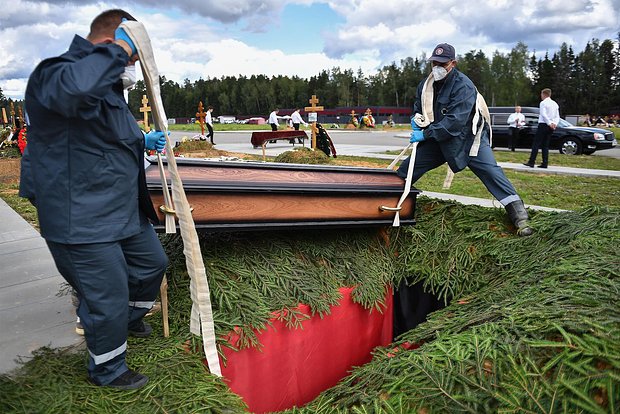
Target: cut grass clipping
(532,324)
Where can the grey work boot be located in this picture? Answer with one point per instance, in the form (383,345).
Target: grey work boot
(518,215)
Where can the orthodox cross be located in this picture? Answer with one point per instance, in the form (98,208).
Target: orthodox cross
(12,113)
(200,116)
(145,108)
(313,108)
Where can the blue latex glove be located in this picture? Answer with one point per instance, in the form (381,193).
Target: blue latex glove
(121,34)
(155,140)
(415,126)
(416,136)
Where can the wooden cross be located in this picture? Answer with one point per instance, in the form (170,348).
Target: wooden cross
(4,118)
(12,112)
(145,108)
(313,108)
(200,116)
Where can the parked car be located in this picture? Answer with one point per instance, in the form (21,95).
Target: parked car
(567,138)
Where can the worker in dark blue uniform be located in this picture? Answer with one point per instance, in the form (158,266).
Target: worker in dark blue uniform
(84,172)
(450,126)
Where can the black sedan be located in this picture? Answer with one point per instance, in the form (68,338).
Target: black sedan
(567,138)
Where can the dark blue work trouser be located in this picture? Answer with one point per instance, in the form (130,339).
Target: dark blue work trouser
(117,283)
(541,140)
(429,156)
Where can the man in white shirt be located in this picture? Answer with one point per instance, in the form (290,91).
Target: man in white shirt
(516,121)
(273,119)
(209,122)
(547,123)
(297,119)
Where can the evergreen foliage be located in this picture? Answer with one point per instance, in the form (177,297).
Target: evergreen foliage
(532,324)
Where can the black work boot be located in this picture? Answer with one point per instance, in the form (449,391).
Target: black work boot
(518,215)
(129,380)
(140,330)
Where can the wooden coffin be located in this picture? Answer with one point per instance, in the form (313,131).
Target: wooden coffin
(246,195)
(258,138)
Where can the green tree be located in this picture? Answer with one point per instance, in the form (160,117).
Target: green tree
(477,67)
(3,100)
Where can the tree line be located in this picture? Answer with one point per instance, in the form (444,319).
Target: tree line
(583,82)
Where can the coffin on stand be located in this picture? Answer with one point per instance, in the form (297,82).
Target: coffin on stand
(228,195)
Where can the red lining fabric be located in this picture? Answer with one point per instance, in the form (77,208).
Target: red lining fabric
(296,365)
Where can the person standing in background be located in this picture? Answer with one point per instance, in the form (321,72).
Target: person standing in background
(273,119)
(297,119)
(548,119)
(516,121)
(209,122)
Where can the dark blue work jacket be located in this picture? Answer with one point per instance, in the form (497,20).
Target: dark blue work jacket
(83,169)
(454,105)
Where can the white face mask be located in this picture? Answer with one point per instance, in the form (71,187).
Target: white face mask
(439,72)
(129,77)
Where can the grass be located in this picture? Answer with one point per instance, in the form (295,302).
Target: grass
(576,161)
(548,190)
(9,193)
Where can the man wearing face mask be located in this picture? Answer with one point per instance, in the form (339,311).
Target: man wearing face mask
(451,124)
(83,170)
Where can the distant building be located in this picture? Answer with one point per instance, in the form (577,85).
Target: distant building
(226,119)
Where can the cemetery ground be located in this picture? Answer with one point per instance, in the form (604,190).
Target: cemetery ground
(531,324)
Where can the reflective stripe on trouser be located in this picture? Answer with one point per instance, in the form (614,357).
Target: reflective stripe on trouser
(107,277)
(429,156)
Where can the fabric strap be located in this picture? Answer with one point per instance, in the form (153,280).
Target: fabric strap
(202,314)
(407,189)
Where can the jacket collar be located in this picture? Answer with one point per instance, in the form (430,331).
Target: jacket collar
(80,46)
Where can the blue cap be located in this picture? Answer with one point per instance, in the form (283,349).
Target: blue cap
(443,53)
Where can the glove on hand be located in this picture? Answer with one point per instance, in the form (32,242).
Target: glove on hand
(155,140)
(416,136)
(121,34)
(415,126)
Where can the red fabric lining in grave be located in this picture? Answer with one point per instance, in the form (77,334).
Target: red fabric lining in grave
(296,365)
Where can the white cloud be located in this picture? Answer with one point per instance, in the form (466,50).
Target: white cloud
(416,25)
(190,40)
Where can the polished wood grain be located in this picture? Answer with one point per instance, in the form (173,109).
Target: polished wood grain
(257,207)
(231,175)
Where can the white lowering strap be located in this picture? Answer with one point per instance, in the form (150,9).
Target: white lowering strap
(202,315)
(407,189)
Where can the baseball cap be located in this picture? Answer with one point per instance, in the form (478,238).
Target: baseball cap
(443,52)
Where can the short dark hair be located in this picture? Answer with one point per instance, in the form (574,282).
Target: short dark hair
(106,23)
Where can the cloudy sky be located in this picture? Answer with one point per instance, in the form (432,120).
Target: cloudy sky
(212,38)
